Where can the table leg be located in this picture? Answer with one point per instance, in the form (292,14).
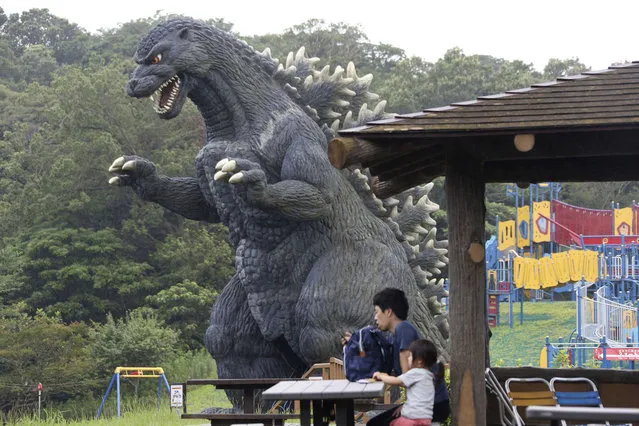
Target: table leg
(249,404)
(321,412)
(345,413)
(305,413)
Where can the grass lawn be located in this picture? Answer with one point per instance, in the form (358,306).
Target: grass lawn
(199,397)
(522,344)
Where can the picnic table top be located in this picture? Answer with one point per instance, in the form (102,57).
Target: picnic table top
(238,383)
(324,389)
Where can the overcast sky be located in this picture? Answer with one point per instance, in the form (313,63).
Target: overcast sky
(598,33)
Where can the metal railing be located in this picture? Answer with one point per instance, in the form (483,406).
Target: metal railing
(601,317)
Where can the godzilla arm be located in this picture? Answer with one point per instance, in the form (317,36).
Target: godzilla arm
(307,188)
(181,195)
(184,197)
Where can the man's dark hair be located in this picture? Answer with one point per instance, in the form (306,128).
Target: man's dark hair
(394,299)
(425,351)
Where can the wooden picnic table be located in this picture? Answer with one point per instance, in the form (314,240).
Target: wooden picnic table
(324,394)
(248,386)
(585,414)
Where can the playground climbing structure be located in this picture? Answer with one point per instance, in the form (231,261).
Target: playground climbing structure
(593,255)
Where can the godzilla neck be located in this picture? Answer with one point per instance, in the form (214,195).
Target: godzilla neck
(220,115)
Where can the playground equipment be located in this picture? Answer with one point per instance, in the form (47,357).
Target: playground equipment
(137,373)
(552,247)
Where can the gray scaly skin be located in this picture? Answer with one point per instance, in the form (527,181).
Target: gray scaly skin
(313,244)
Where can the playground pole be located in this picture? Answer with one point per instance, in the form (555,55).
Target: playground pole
(530,222)
(510,309)
(117,386)
(521,307)
(106,395)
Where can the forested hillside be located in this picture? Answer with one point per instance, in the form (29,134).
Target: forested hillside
(93,275)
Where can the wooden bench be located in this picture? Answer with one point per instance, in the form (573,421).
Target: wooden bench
(229,419)
(248,386)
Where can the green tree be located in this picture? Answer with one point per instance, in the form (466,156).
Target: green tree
(199,253)
(407,88)
(186,308)
(334,43)
(137,340)
(39,27)
(458,77)
(41,349)
(80,274)
(38,64)
(563,67)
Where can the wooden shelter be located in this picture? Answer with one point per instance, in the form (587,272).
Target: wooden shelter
(580,128)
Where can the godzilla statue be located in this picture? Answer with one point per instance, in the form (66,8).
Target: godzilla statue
(313,244)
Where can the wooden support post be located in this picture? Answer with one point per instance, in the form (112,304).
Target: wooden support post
(467,281)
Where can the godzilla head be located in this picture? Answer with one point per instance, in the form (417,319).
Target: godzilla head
(165,72)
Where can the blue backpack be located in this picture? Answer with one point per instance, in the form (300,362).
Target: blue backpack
(367,351)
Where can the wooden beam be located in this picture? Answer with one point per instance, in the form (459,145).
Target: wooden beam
(399,169)
(557,145)
(468,318)
(384,189)
(590,169)
(344,152)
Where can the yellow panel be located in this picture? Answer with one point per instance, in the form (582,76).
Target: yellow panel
(518,271)
(541,226)
(547,273)
(623,221)
(543,358)
(523,226)
(576,264)
(531,274)
(506,234)
(561,265)
(529,402)
(591,266)
(531,394)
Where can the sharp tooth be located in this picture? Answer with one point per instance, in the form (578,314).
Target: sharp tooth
(152,99)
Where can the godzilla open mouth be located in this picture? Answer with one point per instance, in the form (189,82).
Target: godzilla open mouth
(166,95)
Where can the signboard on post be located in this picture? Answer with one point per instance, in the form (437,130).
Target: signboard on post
(618,354)
(177,396)
(39,398)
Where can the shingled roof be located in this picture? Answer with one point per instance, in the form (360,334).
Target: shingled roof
(607,98)
(575,121)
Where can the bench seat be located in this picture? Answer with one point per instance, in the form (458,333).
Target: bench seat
(227,419)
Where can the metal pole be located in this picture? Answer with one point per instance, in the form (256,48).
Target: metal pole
(531,224)
(106,395)
(117,380)
(510,307)
(521,307)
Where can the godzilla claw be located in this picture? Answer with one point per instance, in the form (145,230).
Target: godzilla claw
(221,176)
(239,170)
(132,170)
(229,166)
(129,165)
(117,165)
(221,163)
(237,178)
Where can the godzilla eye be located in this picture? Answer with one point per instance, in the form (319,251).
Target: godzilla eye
(156,59)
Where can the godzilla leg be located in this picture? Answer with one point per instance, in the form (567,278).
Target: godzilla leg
(338,294)
(239,349)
